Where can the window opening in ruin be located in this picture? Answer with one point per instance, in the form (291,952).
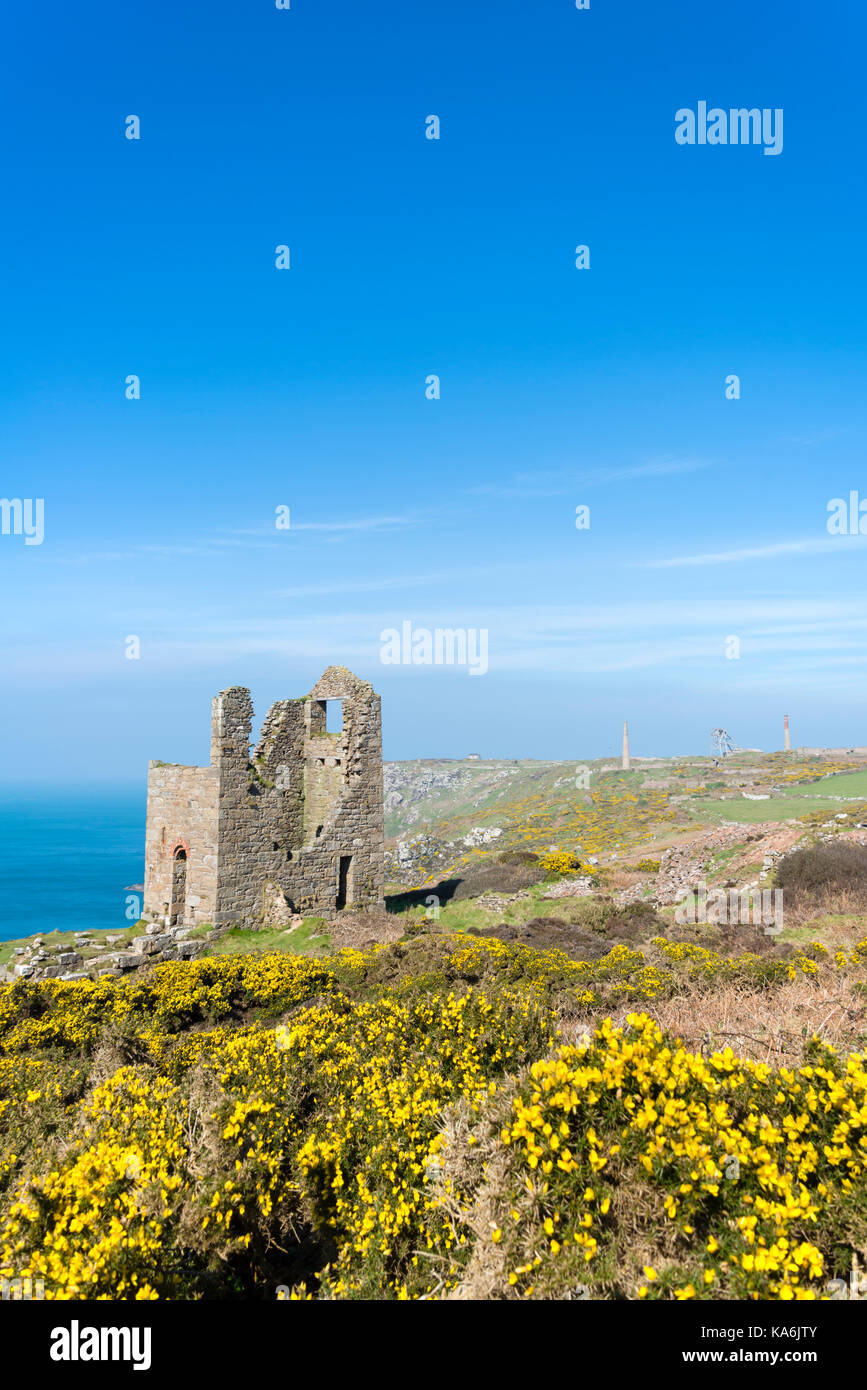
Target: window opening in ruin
(343,880)
(179,887)
(319,830)
(334,716)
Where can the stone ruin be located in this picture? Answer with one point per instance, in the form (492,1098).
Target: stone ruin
(296,827)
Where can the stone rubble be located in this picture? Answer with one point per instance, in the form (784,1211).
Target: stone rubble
(572,888)
(683,867)
(481,835)
(52,962)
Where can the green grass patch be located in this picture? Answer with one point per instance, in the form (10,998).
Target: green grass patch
(852,784)
(776,809)
(66,939)
(196,933)
(311,938)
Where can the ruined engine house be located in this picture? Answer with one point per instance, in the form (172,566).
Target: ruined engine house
(296,826)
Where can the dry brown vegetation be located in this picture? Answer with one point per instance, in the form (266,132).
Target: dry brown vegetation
(825,878)
(763,1027)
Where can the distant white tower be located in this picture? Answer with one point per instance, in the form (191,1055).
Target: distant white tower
(625,763)
(787,742)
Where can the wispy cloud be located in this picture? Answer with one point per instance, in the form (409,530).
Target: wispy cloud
(208,546)
(369,586)
(556,482)
(363,523)
(240,538)
(812,546)
(785,641)
(654,468)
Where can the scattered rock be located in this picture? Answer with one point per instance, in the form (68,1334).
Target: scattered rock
(481,835)
(572,888)
(145,945)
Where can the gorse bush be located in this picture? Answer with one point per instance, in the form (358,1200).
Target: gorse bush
(560,861)
(639,1169)
(409,1122)
(69,1015)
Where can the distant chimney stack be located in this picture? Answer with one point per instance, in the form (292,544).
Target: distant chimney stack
(787,742)
(625,763)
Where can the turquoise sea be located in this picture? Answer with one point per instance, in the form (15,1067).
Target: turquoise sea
(68,858)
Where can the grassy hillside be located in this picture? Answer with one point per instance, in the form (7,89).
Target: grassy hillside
(595,808)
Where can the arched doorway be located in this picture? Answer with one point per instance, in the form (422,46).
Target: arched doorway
(179,887)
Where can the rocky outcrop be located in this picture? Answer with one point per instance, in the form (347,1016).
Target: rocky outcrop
(407,785)
(419,857)
(683,867)
(37,961)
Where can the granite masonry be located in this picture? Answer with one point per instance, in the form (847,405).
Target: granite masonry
(296,827)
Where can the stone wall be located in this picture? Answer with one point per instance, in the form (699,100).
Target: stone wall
(181,815)
(343,781)
(307,800)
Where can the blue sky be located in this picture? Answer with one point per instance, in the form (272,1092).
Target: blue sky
(410,257)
